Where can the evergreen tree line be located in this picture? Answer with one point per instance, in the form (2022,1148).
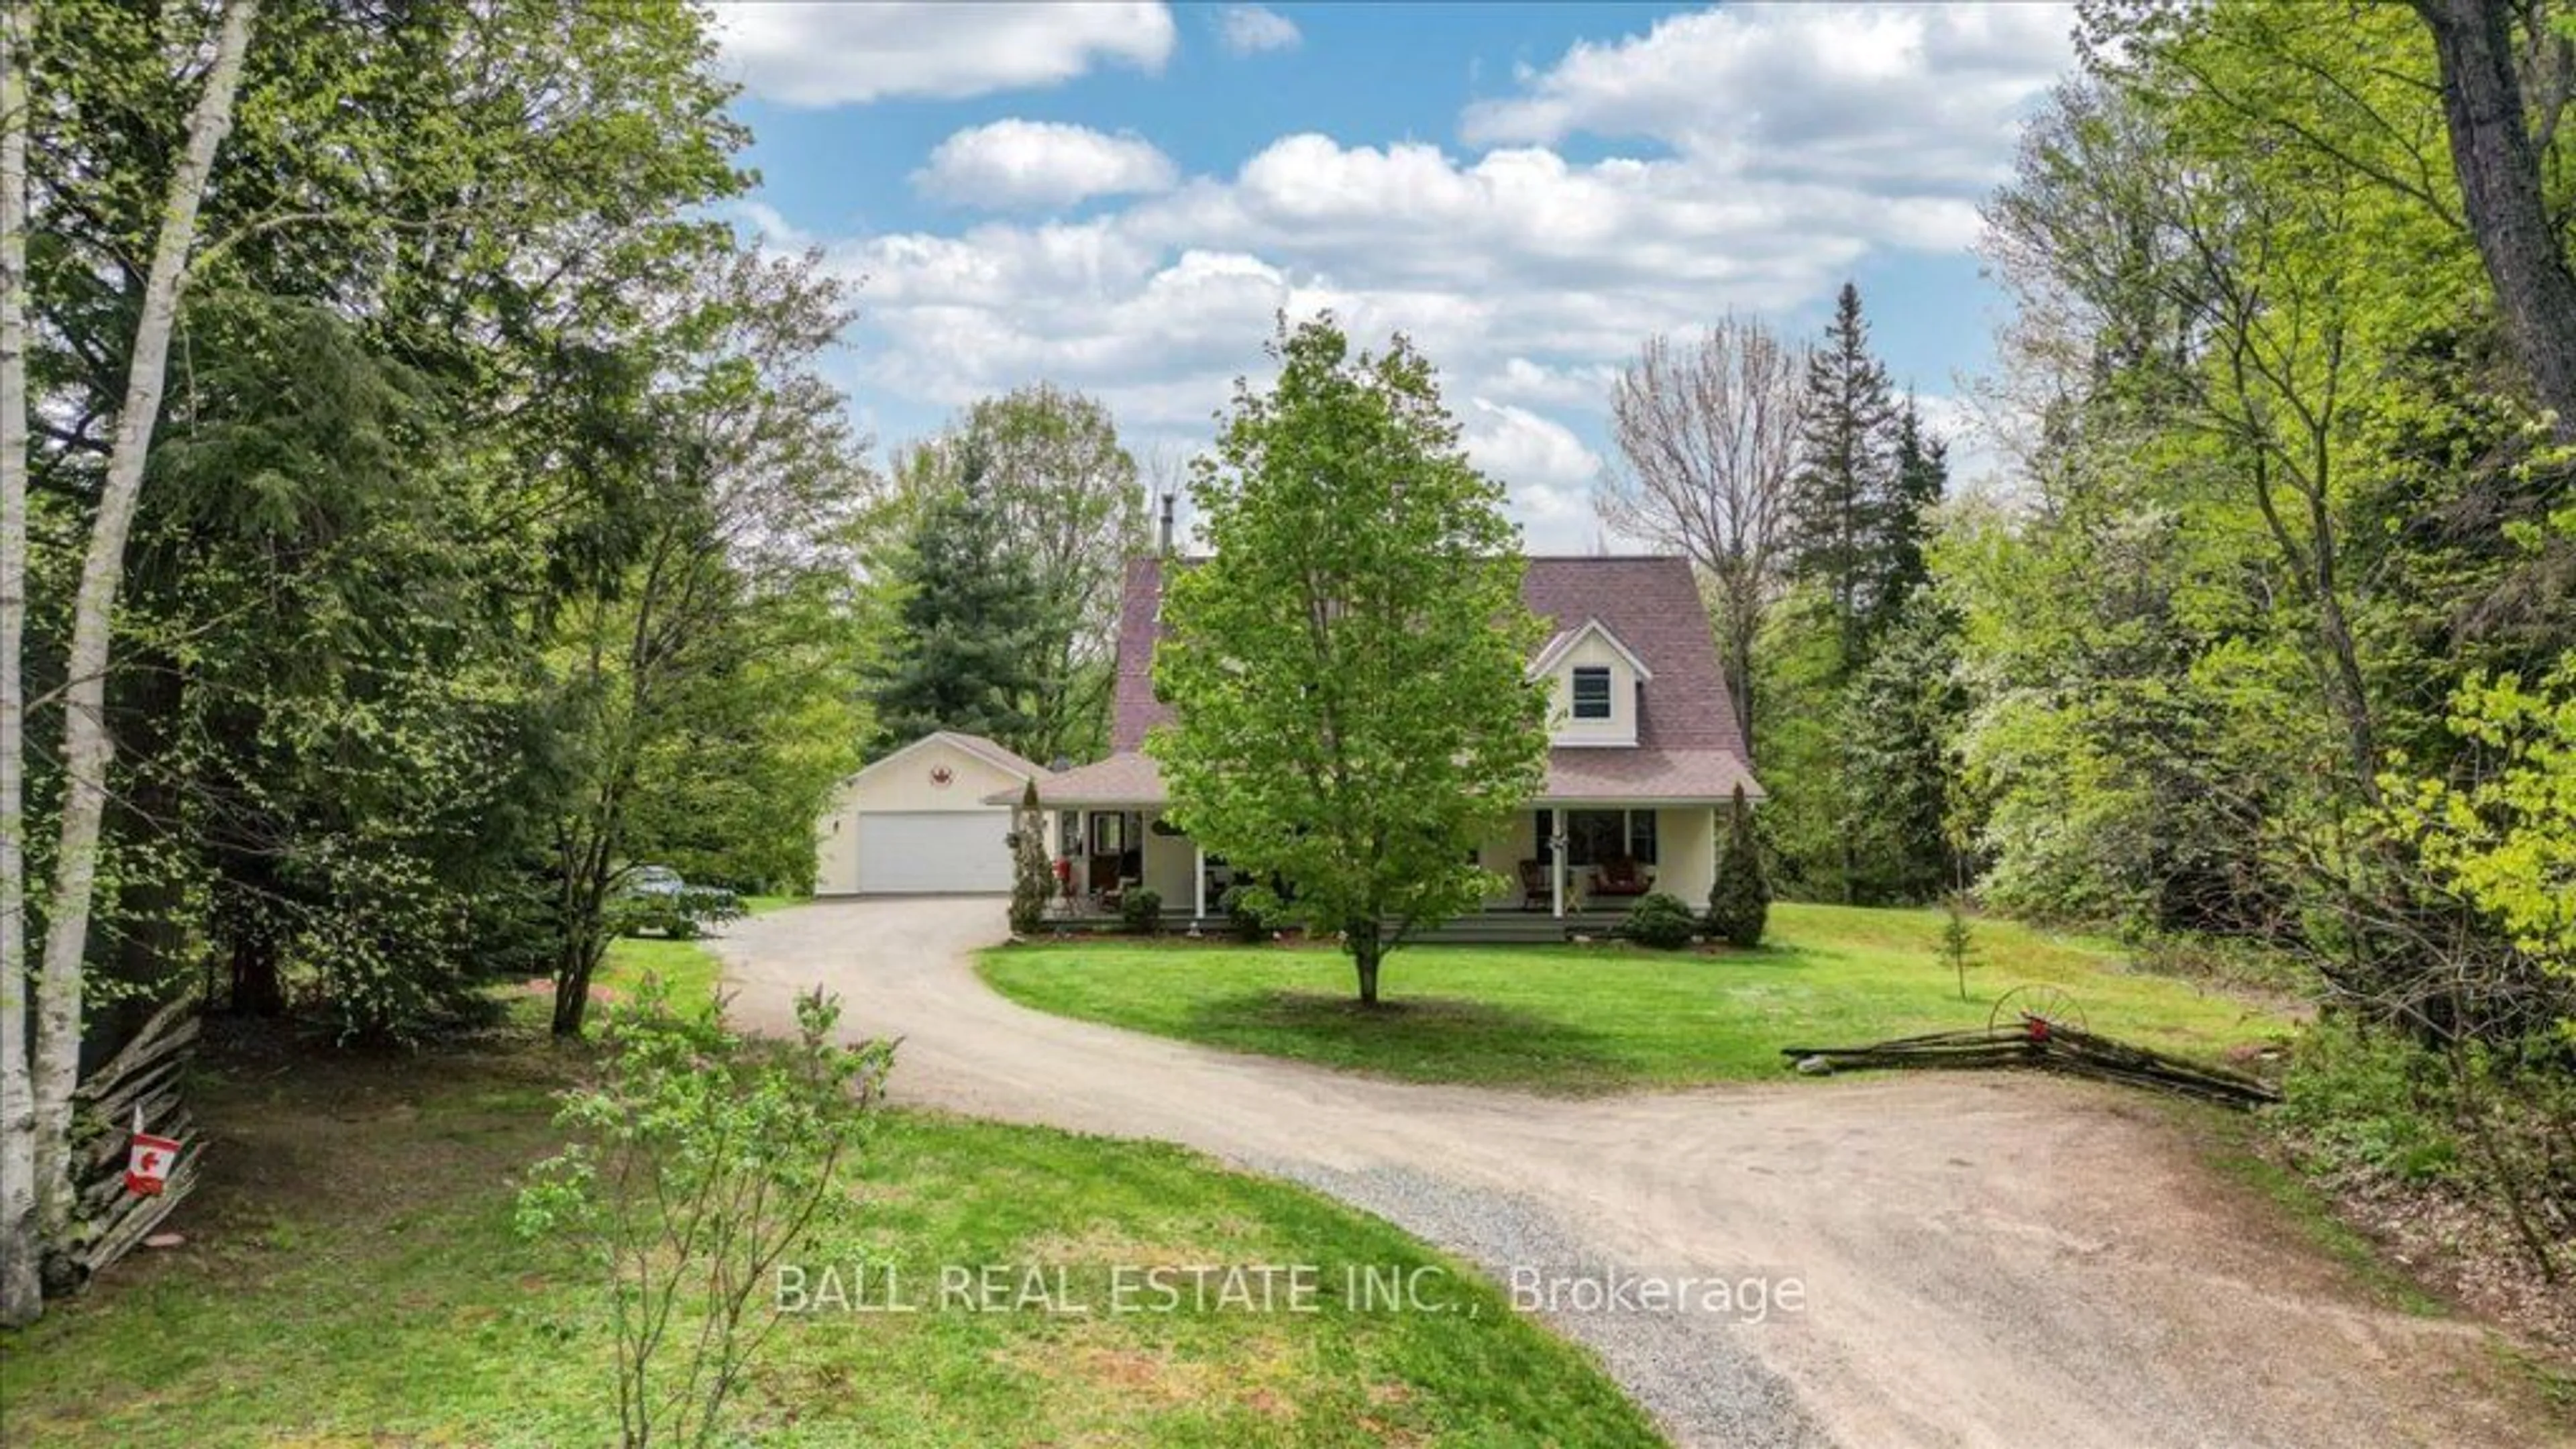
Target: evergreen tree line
(1805,487)
(497,531)
(999,562)
(2263,646)
(1854,682)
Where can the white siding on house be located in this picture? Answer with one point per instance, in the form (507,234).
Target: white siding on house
(836,843)
(1169,860)
(1503,856)
(916,822)
(1686,853)
(1592,652)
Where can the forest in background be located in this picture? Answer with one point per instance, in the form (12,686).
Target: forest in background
(500,530)
(2263,652)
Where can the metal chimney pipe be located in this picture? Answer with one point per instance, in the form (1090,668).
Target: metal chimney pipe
(1168,500)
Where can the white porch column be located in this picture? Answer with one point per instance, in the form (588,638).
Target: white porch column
(1556,855)
(1198,881)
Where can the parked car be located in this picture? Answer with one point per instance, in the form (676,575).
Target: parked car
(654,898)
(654,880)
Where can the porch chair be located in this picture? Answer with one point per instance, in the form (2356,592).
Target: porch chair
(1538,888)
(1620,875)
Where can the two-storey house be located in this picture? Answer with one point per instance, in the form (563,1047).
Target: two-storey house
(1644,753)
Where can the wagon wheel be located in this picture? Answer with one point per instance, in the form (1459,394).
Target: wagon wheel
(2035,1009)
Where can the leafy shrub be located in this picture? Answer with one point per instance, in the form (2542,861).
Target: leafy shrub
(1659,921)
(2372,1102)
(702,906)
(700,1162)
(1241,916)
(1142,911)
(1739,899)
(371,946)
(2228,961)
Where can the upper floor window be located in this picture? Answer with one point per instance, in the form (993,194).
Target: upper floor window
(1591,692)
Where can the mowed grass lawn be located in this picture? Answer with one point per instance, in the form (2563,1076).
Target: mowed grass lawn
(687,968)
(1603,1017)
(351,1275)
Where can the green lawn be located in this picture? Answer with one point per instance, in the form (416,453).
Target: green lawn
(686,967)
(351,1276)
(1593,1018)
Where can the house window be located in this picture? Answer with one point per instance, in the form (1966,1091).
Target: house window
(1592,692)
(1593,836)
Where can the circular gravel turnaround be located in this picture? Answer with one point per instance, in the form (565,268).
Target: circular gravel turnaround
(1981,1259)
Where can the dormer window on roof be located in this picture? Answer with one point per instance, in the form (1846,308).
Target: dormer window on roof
(1597,682)
(1592,691)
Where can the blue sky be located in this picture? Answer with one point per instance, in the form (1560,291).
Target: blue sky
(1117,197)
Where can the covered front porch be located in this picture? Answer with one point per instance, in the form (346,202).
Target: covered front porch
(1562,870)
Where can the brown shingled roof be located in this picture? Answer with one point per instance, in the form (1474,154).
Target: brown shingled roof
(1652,604)
(1603,776)
(1125,778)
(1576,776)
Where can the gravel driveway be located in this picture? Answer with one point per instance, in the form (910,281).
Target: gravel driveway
(1985,1260)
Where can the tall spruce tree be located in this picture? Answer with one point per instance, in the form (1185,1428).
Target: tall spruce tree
(1851,822)
(1845,494)
(1903,708)
(971,607)
(1919,478)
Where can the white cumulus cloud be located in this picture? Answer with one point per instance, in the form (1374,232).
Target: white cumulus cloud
(1249,29)
(1016,163)
(1527,275)
(1921,97)
(1547,469)
(826,54)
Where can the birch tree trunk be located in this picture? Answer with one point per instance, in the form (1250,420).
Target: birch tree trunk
(21,1290)
(87,748)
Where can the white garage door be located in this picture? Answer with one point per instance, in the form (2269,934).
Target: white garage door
(908,851)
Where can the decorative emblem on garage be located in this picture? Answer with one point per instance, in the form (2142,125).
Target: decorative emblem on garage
(940,775)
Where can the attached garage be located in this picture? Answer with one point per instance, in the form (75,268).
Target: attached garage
(915,822)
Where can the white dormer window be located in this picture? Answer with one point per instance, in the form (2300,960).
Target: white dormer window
(1592,691)
(1597,684)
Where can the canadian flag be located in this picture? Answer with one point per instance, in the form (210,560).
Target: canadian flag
(147,1163)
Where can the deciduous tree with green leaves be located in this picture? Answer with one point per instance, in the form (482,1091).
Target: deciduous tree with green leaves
(746,486)
(36,1147)
(1348,672)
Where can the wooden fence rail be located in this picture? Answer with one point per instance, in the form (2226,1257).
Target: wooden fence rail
(145,1078)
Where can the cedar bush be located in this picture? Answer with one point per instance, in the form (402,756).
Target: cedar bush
(1739,900)
(1032,884)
